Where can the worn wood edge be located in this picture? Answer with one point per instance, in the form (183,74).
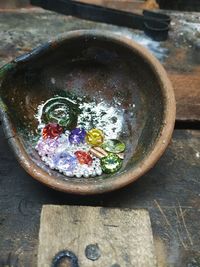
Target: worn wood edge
(28,9)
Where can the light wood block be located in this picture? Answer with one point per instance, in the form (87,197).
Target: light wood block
(124,237)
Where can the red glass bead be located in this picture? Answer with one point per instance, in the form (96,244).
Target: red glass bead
(52,130)
(83,157)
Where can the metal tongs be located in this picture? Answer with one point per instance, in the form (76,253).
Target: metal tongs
(155,25)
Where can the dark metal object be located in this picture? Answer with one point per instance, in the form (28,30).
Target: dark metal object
(155,25)
(65,254)
(180,5)
(92,252)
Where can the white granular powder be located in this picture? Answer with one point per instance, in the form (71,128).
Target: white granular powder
(101,116)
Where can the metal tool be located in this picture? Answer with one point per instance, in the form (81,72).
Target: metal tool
(155,25)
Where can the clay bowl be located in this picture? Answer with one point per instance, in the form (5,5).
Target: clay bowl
(105,67)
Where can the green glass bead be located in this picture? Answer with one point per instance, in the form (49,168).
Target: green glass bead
(113,146)
(111,163)
(61,110)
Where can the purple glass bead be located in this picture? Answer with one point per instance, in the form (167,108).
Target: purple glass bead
(77,136)
(46,147)
(65,162)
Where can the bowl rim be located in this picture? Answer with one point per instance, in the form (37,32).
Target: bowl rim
(127,177)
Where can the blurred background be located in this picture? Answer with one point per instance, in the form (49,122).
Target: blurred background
(13,3)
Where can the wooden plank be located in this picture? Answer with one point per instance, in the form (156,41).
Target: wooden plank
(170,192)
(126,5)
(179,54)
(118,237)
(187,94)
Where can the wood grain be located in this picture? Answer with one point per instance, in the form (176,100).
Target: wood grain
(126,5)
(187,94)
(124,237)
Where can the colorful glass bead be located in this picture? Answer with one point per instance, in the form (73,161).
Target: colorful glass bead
(77,136)
(95,137)
(83,157)
(52,130)
(65,162)
(111,163)
(47,147)
(61,110)
(113,146)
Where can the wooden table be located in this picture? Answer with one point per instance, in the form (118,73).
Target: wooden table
(170,191)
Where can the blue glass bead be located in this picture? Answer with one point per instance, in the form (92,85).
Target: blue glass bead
(65,162)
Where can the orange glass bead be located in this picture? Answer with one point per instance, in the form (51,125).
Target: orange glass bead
(83,157)
(52,130)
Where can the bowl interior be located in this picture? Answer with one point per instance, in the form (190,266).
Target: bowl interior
(106,71)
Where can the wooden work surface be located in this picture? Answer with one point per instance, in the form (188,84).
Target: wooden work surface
(170,191)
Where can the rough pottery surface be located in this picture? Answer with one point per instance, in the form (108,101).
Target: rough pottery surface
(110,69)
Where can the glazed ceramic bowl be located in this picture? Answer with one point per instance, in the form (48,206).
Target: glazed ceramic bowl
(105,67)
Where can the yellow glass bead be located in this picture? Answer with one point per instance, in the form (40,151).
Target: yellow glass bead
(95,137)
